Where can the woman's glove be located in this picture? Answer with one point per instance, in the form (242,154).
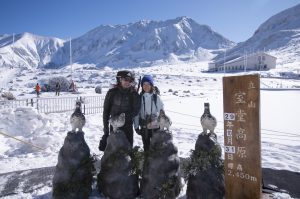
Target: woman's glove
(138,131)
(103,143)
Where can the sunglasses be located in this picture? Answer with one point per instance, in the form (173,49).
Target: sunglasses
(127,79)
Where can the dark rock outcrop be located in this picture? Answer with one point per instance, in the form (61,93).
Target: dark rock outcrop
(73,172)
(98,89)
(161,169)
(205,171)
(117,178)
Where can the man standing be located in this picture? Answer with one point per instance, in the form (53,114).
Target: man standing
(57,88)
(123,98)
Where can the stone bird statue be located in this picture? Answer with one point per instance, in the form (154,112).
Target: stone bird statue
(164,121)
(208,121)
(77,119)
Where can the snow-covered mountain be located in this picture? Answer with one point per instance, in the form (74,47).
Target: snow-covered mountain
(27,50)
(134,44)
(279,35)
(147,42)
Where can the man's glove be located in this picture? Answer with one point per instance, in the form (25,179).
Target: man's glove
(138,131)
(103,143)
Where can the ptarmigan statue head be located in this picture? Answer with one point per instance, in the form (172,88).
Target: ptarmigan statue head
(164,121)
(117,121)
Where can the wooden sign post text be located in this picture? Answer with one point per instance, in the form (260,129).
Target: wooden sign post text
(242,144)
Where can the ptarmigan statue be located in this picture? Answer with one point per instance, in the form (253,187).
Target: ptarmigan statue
(77,119)
(164,121)
(208,121)
(117,121)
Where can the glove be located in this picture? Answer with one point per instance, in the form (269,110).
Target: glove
(106,131)
(103,143)
(138,131)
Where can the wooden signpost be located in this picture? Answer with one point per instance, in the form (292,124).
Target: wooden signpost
(242,143)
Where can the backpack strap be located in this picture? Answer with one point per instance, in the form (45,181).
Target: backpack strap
(155,99)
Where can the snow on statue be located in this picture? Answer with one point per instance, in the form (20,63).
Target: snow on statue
(117,121)
(164,121)
(208,121)
(77,119)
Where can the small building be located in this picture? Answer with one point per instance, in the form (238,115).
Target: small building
(256,61)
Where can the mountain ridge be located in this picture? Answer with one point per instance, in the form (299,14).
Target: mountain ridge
(279,36)
(141,43)
(27,50)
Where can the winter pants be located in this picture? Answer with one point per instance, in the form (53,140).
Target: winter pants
(128,130)
(146,137)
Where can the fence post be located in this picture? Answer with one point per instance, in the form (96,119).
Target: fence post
(91,103)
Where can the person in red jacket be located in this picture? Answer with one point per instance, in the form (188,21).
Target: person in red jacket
(37,89)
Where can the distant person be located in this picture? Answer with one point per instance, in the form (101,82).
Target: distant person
(57,89)
(37,89)
(72,86)
(146,122)
(47,87)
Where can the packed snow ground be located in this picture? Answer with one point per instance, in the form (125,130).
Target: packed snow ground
(184,89)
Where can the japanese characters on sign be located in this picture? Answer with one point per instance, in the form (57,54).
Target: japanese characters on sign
(242,136)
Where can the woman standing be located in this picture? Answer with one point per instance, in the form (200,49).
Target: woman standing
(146,121)
(123,98)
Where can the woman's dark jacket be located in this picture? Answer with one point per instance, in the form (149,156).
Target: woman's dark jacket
(117,101)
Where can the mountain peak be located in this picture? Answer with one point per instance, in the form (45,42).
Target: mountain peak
(184,18)
(143,22)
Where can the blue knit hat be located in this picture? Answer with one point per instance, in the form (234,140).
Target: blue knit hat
(147,78)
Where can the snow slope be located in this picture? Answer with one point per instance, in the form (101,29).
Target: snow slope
(279,36)
(27,50)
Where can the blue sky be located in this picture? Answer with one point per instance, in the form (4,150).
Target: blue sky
(235,19)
